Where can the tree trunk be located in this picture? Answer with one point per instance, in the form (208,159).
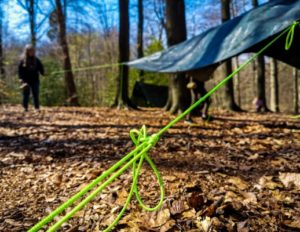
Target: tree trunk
(2,72)
(237,82)
(261,83)
(178,99)
(122,82)
(297,90)
(32,21)
(69,78)
(227,68)
(274,87)
(260,76)
(140,35)
(255,3)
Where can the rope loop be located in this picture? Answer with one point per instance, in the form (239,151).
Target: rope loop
(138,137)
(141,138)
(290,36)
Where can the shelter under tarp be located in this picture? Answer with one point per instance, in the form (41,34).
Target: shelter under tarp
(148,95)
(247,33)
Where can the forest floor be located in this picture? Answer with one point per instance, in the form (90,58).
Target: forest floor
(239,172)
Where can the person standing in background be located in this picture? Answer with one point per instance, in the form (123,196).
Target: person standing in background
(30,67)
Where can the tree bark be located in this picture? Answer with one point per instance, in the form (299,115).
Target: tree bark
(261,82)
(178,99)
(227,68)
(238,82)
(297,90)
(122,81)
(255,3)
(140,35)
(32,21)
(69,78)
(2,72)
(274,87)
(260,76)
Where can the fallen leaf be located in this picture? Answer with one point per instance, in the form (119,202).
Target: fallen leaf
(279,162)
(294,224)
(196,201)
(177,207)
(170,178)
(267,182)
(51,199)
(290,178)
(121,196)
(242,226)
(230,196)
(159,218)
(238,182)
(189,214)
(253,157)
(249,197)
(168,226)
(210,211)
(206,224)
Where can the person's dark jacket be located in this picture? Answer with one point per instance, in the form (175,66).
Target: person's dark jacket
(30,70)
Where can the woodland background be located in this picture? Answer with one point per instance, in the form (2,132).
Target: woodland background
(71,34)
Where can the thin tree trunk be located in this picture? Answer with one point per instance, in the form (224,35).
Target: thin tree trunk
(178,99)
(32,21)
(65,10)
(227,68)
(255,3)
(122,82)
(2,72)
(260,76)
(297,90)
(261,83)
(140,35)
(69,78)
(169,99)
(238,82)
(274,87)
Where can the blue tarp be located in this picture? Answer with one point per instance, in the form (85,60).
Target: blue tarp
(246,33)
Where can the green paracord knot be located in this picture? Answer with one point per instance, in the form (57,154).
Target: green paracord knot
(141,138)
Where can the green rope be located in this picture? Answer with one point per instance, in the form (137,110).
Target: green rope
(290,36)
(87,68)
(135,158)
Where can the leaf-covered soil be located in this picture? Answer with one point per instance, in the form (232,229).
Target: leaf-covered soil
(239,172)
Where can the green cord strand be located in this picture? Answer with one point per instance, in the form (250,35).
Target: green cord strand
(143,144)
(290,36)
(87,68)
